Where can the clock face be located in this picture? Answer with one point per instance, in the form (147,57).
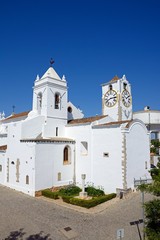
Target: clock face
(110,98)
(126,98)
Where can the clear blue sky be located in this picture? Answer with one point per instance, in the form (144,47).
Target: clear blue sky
(91,41)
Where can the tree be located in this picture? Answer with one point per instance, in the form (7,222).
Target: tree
(152,208)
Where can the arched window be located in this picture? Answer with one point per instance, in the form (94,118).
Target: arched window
(69,109)
(57,101)
(39,102)
(124,86)
(67,155)
(27,179)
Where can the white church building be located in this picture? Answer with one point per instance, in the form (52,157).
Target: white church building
(53,144)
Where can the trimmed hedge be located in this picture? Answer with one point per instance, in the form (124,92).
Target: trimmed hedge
(66,198)
(88,203)
(69,191)
(94,192)
(49,194)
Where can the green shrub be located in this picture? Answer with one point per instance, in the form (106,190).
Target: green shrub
(66,198)
(48,193)
(94,192)
(69,191)
(88,203)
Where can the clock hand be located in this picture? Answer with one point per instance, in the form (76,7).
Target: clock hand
(109,99)
(112,98)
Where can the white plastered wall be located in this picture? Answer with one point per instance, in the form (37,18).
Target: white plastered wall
(49,162)
(25,152)
(138,155)
(107,171)
(2,163)
(81,133)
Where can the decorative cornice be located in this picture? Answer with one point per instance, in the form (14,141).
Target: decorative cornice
(48,140)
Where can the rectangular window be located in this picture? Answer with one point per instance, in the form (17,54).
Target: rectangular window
(27,179)
(0,168)
(56,131)
(105,154)
(146,165)
(84,148)
(59,176)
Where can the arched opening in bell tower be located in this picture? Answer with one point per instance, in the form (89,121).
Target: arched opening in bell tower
(57,101)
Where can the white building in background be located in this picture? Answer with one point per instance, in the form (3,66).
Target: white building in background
(151,118)
(53,144)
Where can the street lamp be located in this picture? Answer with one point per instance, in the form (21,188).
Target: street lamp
(137,224)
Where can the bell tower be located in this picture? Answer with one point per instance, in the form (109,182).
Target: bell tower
(50,98)
(116,99)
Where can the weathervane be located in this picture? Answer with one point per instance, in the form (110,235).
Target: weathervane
(51,62)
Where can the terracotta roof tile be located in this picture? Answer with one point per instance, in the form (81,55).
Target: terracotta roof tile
(3,147)
(17,115)
(117,123)
(85,120)
(114,79)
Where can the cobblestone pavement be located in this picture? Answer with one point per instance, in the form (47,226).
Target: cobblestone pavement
(25,217)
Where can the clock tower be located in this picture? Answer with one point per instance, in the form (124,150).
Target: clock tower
(116,99)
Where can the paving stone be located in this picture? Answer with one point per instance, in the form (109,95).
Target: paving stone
(69,233)
(39,218)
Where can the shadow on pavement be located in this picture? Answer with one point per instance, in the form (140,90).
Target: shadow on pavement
(19,235)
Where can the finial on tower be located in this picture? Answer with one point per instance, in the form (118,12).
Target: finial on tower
(3,115)
(51,62)
(37,78)
(13,112)
(63,78)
